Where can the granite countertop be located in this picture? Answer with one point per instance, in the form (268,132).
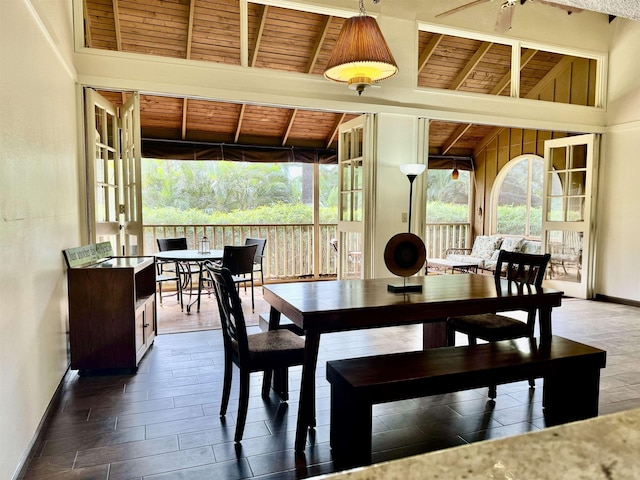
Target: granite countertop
(606,447)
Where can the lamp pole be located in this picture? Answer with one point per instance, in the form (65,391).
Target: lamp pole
(411,170)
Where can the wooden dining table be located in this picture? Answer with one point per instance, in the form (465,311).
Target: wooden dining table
(333,306)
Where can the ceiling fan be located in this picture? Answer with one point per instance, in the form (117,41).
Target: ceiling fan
(505,14)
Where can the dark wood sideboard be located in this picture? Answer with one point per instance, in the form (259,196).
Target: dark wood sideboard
(112,312)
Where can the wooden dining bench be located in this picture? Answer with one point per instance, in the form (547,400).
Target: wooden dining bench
(571,373)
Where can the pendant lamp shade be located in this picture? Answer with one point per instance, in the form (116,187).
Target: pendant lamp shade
(361,55)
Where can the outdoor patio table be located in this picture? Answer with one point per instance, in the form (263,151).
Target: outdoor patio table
(191,256)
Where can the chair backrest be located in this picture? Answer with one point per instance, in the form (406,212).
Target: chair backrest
(234,328)
(167,244)
(522,267)
(239,258)
(260,243)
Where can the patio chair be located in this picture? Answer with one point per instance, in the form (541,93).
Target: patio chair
(522,268)
(261,352)
(171,269)
(259,257)
(239,260)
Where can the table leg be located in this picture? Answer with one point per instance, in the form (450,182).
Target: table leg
(274,377)
(434,334)
(307,404)
(544,314)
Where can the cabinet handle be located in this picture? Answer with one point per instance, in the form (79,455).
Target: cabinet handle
(145,325)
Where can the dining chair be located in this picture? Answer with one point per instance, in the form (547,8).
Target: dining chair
(524,270)
(259,257)
(260,352)
(239,260)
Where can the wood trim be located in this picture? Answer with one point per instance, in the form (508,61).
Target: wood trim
(621,301)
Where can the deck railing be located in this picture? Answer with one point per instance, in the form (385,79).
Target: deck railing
(440,236)
(289,248)
(288,252)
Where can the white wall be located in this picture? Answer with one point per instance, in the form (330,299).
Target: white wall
(39,218)
(618,260)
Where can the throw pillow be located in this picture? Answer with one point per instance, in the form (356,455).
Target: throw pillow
(512,244)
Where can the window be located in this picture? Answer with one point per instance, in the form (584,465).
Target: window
(517,198)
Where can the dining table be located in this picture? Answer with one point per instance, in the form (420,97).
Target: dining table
(189,257)
(319,307)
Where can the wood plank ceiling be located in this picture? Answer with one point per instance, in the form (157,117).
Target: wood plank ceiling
(286,40)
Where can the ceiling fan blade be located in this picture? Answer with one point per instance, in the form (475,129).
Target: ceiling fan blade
(461,7)
(505,15)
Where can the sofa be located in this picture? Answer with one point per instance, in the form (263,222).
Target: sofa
(486,248)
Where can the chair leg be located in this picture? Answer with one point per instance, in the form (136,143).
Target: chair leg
(243,405)
(493,392)
(160,291)
(472,340)
(253,303)
(266,383)
(226,385)
(532,382)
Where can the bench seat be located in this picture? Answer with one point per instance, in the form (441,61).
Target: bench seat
(571,373)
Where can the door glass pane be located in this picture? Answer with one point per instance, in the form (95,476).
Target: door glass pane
(357,206)
(352,253)
(565,248)
(559,158)
(345,213)
(575,209)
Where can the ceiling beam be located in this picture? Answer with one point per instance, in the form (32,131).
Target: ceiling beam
(428,51)
(116,24)
(506,79)
(184,118)
(453,139)
(471,65)
(87,23)
(560,67)
(318,45)
(256,47)
(334,131)
(292,117)
(192,9)
(239,126)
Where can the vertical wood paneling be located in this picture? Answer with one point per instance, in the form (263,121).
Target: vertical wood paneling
(580,82)
(562,92)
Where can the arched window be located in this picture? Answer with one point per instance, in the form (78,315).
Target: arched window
(516,200)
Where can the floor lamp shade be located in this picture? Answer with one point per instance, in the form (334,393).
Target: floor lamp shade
(361,55)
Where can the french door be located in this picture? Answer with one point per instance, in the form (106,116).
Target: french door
(567,213)
(355,177)
(114,195)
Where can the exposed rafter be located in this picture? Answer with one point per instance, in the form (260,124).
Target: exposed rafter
(471,65)
(318,46)
(457,135)
(334,132)
(292,117)
(506,79)
(116,20)
(256,47)
(428,51)
(192,8)
(239,125)
(184,119)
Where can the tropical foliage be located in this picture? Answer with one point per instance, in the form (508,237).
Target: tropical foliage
(184,192)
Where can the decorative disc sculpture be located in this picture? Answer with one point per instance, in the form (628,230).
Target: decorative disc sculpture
(405,255)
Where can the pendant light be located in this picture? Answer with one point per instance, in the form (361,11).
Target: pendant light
(361,55)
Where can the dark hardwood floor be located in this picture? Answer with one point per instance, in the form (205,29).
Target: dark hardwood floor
(163,422)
